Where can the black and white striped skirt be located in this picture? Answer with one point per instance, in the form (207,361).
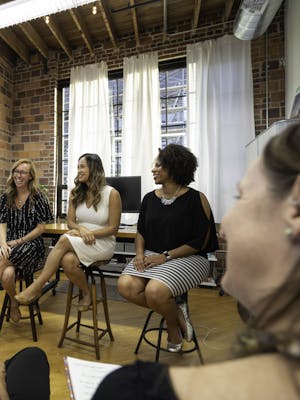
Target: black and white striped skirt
(179,274)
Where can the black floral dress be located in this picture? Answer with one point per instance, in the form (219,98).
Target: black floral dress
(20,221)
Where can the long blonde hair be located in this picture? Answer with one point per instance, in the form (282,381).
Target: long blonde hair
(11,190)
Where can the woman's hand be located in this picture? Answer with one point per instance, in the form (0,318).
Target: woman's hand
(73,232)
(87,236)
(139,262)
(154,259)
(13,243)
(5,250)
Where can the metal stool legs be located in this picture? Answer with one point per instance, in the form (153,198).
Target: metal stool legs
(77,324)
(157,345)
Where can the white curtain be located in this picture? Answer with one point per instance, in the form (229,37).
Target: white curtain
(220,116)
(141,117)
(90,123)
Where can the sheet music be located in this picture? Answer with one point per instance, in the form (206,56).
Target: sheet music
(84,376)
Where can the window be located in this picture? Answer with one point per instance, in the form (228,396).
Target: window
(62,146)
(115,84)
(173,100)
(173,104)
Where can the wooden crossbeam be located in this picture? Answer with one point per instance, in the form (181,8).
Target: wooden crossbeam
(81,25)
(35,38)
(107,21)
(196,14)
(11,39)
(59,36)
(135,22)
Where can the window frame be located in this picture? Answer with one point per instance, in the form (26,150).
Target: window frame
(115,74)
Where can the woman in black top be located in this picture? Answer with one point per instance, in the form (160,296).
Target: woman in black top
(24,210)
(176,230)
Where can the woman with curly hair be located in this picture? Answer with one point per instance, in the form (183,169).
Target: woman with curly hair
(24,211)
(175,232)
(93,219)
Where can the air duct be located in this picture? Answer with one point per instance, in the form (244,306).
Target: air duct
(254,17)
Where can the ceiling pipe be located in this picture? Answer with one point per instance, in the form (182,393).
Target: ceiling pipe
(254,17)
(128,7)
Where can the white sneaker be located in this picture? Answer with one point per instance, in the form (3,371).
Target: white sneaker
(188,334)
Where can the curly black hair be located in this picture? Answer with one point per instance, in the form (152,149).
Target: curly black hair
(180,163)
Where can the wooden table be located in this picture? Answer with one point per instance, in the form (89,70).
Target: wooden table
(58,228)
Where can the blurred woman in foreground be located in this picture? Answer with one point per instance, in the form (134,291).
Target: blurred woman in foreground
(263,273)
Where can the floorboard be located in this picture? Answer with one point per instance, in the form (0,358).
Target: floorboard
(215,319)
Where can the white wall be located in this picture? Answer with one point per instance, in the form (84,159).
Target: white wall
(256,146)
(292,51)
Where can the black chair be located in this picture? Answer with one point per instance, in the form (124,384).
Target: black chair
(33,308)
(160,329)
(92,272)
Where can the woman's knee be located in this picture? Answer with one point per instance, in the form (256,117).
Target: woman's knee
(8,276)
(123,284)
(157,293)
(69,261)
(129,286)
(63,243)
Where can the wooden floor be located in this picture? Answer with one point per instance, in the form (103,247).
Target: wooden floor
(215,319)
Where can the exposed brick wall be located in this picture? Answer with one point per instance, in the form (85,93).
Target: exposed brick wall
(6,107)
(269,76)
(33,131)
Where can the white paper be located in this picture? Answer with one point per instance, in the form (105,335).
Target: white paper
(85,376)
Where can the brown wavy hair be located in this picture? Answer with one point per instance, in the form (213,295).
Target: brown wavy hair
(11,190)
(96,180)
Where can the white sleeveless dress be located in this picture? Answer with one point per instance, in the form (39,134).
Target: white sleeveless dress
(104,248)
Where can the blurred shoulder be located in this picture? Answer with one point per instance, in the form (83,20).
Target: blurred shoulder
(260,377)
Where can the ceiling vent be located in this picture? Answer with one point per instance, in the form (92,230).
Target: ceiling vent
(254,17)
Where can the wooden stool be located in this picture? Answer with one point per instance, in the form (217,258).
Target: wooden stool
(34,308)
(91,272)
(157,345)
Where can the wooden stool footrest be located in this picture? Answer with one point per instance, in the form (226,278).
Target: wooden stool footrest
(92,272)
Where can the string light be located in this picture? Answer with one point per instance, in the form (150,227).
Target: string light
(94,10)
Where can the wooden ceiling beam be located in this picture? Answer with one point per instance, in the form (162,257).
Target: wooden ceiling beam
(227,9)
(196,14)
(165,21)
(35,38)
(9,36)
(81,25)
(135,22)
(59,36)
(107,21)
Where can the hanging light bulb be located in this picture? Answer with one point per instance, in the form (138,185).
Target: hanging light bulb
(94,10)
(47,19)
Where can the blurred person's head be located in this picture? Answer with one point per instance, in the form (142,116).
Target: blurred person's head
(262,232)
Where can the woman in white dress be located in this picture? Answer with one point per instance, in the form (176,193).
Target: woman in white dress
(93,219)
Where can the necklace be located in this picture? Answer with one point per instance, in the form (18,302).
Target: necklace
(167,202)
(20,202)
